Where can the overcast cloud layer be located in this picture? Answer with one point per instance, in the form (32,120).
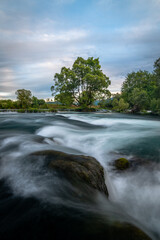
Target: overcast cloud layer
(38,37)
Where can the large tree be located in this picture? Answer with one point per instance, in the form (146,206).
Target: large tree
(82,84)
(24,97)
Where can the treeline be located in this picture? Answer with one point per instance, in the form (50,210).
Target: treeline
(140,92)
(25,101)
(84,84)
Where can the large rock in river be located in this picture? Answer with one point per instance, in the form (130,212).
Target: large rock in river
(83,172)
(86,175)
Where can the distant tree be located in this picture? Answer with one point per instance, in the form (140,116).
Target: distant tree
(138,89)
(141,80)
(82,84)
(41,102)
(155,105)
(38,103)
(115,103)
(139,100)
(122,105)
(119,105)
(117,96)
(157,77)
(157,67)
(6,104)
(35,102)
(24,97)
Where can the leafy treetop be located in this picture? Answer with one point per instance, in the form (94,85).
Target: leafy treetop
(82,84)
(24,97)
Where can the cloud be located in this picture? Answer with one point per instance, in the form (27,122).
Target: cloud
(37,38)
(34,57)
(7,82)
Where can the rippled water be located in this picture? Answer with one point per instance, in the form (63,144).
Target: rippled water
(29,191)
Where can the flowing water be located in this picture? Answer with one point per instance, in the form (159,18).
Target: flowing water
(31,196)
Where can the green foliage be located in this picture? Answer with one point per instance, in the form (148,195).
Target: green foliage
(25,102)
(64,98)
(41,102)
(24,97)
(138,89)
(155,105)
(106,103)
(21,111)
(119,105)
(141,80)
(8,104)
(139,100)
(157,78)
(157,68)
(81,85)
(34,102)
(122,105)
(117,96)
(115,103)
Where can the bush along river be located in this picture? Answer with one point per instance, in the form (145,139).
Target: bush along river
(79,176)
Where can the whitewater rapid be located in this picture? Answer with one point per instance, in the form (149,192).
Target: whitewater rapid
(103,136)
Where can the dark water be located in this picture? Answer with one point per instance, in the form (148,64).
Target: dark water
(36,204)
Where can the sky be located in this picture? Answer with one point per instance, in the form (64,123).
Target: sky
(38,37)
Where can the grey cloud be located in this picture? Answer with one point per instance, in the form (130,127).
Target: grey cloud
(32,48)
(34,62)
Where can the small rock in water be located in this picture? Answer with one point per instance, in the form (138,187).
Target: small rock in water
(121,164)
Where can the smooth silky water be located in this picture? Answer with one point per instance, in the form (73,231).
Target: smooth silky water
(30,194)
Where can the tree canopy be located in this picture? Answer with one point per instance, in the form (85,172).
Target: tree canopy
(24,97)
(82,84)
(138,89)
(26,100)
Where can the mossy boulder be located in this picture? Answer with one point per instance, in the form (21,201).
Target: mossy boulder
(133,164)
(121,164)
(81,171)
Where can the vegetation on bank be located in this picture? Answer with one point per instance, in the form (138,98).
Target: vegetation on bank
(140,92)
(84,87)
(26,103)
(85,83)
(25,100)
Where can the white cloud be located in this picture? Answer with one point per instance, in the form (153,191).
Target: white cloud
(70,35)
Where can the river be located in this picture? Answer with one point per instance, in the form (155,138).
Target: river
(29,193)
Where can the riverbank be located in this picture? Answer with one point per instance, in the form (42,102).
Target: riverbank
(80,110)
